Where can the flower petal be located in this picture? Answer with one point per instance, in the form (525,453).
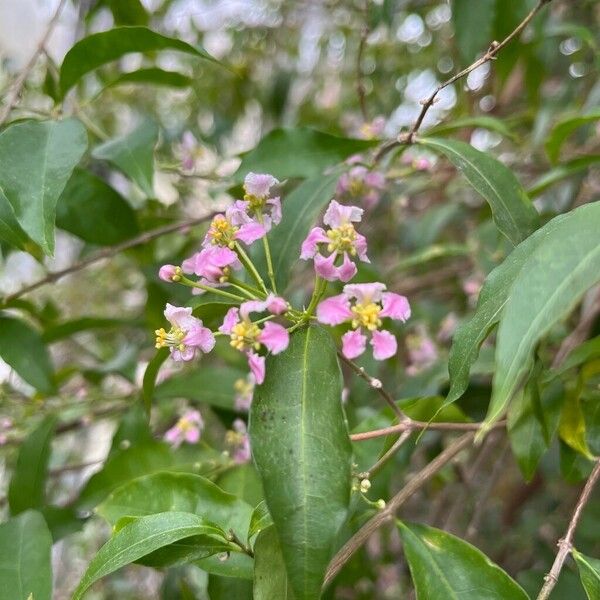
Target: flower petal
(337,214)
(167,272)
(347,270)
(257,366)
(334,310)
(275,204)
(325,267)
(309,246)
(231,318)
(252,306)
(259,184)
(250,232)
(360,243)
(365,292)
(275,337)
(192,435)
(177,315)
(200,337)
(276,304)
(395,306)
(353,344)
(384,344)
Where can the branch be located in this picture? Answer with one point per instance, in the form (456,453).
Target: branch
(387,514)
(15,90)
(566,544)
(108,252)
(410,425)
(491,53)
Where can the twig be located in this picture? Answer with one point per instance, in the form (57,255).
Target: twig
(15,90)
(389,454)
(360,86)
(107,253)
(414,483)
(78,467)
(491,53)
(410,425)
(378,386)
(566,544)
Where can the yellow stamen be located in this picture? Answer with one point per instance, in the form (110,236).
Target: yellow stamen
(244,334)
(366,315)
(342,239)
(222,232)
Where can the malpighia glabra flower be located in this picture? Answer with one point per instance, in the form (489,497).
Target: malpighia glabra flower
(235,225)
(244,393)
(364,305)
(257,200)
(341,241)
(213,265)
(187,429)
(238,440)
(187,336)
(361,183)
(422,352)
(249,337)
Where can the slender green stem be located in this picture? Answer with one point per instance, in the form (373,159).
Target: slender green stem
(248,288)
(207,288)
(267,248)
(319,290)
(243,290)
(251,268)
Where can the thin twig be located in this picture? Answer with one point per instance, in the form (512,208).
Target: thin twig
(387,514)
(389,454)
(360,85)
(491,53)
(566,544)
(378,386)
(108,252)
(14,92)
(410,425)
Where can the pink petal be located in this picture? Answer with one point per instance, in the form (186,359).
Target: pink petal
(360,243)
(259,184)
(309,246)
(257,366)
(364,292)
(188,353)
(167,272)
(334,310)
(384,344)
(275,204)
(237,213)
(353,344)
(276,304)
(250,232)
(173,436)
(395,306)
(231,318)
(194,416)
(252,306)
(200,337)
(337,215)
(240,426)
(275,337)
(347,270)
(189,265)
(177,315)
(343,184)
(375,179)
(192,435)
(325,267)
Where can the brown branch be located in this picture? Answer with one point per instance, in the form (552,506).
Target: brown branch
(410,425)
(566,544)
(108,252)
(14,92)
(491,53)
(387,514)
(389,454)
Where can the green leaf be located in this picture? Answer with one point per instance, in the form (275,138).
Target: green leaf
(133,154)
(28,484)
(101,48)
(473,24)
(37,159)
(59,331)
(270,578)
(25,567)
(587,351)
(261,519)
(572,428)
(562,172)
(210,385)
(243,481)
(480,121)
(227,588)
(513,213)
(153,76)
(93,211)
(551,282)
(300,211)
(564,129)
(150,374)
(302,452)
(23,349)
(299,152)
(10,230)
(444,567)
(141,537)
(433,252)
(589,573)
(493,297)
(127,12)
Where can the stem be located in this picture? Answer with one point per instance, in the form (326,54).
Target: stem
(207,288)
(566,544)
(247,287)
(389,454)
(251,268)
(318,291)
(265,241)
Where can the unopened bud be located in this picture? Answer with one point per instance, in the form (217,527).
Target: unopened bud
(380,504)
(365,486)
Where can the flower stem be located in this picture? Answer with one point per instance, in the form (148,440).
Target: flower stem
(248,289)
(207,288)
(251,268)
(319,290)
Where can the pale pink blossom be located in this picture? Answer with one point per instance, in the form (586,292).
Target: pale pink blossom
(213,265)
(187,337)
(235,225)
(187,429)
(373,129)
(363,184)
(258,203)
(239,442)
(364,305)
(341,242)
(422,352)
(187,151)
(169,273)
(244,393)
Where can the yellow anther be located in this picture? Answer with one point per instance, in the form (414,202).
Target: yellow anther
(255,202)
(342,239)
(244,334)
(366,315)
(173,338)
(222,232)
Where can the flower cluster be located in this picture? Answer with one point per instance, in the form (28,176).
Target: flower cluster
(187,429)
(260,321)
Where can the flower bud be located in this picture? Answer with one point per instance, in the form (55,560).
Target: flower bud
(365,486)
(169,273)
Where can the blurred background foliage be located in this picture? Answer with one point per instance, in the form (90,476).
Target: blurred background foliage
(166,131)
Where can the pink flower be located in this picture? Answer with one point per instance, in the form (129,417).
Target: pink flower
(187,429)
(422,352)
(244,392)
(372,130)
(169,273)
(371,303)
(341,241)
(187,151)
(248,337)
(225,230)
(258,202)
(360,183)
(239,441)
(187,336)
(212,264)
